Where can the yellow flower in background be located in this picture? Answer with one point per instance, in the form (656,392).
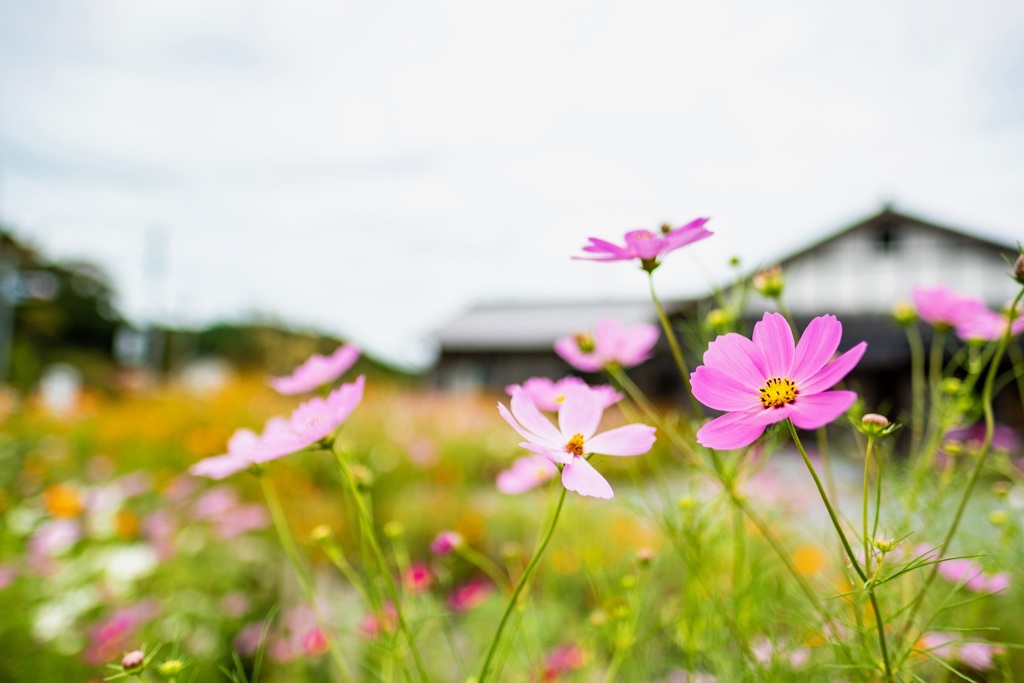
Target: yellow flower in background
(62,501)
(809,560)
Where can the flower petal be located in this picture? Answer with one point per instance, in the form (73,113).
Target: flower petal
(634,439)
(811,412)
(773,339)
(580,413)
(529,415)
(817,345)
(731,431)
(637,343)
(569,349)
(559,455)
(721,390)
(581,477)
(735,355)
(827,377)
(219,466)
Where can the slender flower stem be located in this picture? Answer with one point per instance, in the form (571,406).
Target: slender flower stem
(389,582)
(486,565)
(916,387)
(523,580)
(990,424)
(864,511)
(828,503)
(673,342)
(291,551)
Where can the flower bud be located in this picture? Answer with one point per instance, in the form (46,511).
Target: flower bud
(133,662)
(172,667)
(628,582)
(363,476)
(951,386)
(1018,268)
(644,557)
(873,424)
(904,314)
(953,448)
(584,341)
(768,282)
(1001,489)
(685,503)
(446,542)
(998,517)
(884,545)
(394,529)
(320,533)
(720,320)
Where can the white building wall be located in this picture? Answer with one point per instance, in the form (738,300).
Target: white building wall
(853,274)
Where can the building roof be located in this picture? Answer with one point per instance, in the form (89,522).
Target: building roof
(534,326)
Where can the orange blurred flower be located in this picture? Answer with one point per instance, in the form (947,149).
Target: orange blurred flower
(63,501)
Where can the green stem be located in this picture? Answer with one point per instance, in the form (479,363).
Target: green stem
(917,387)
(828,504)
(523,580)
(389,583)
(291,551)
(486,565)
(864,511)
(986,402)
(673,343)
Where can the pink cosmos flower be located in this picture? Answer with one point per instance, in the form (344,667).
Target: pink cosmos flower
(969,573)
(578,418)
(611,343)
(316,371)
(548,395)
(469,595)
(446,542)
(112,635)
(645,245)
(310,423)
(768,379)
(943,307)
(948,647)
(417,578)
(987,325)
(526,473)
(371,625)
(563,659)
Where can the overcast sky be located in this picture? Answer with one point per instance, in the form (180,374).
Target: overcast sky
(372,168)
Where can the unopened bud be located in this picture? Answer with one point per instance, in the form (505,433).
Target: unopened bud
(644,557)
(172,667)
(320,533)
(628,581)
(768,282)
(584,341)
(1001,489)
(884,545)
(953,448)
(719,320)
(904,314)
(685,503)
(666,228)
(133,661)
(394,529)
(363,476)
(1018,268)
(951,386)
(997,517)
(873,424)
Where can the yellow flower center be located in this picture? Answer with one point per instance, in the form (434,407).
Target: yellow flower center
(575,445)
(777,392)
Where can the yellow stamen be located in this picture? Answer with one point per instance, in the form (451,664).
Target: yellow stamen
(778,392)
(575,445)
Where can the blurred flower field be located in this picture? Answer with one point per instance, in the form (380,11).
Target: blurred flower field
(389,532)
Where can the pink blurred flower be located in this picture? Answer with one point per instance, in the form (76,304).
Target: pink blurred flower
(548,395)
(373,625)
(313,642)
(987,325)
(228,514)
(970,574)
(446,542)
(979,655)
(611,343)
(159,529)
(948,647)
(417,578)
(316,371)
(563,659)
(51,539)
(310,423)
(645,245)
(578,418)
(942,307)
(1004,438)
(769,379)
(469,595)
(526,473)
(113,634)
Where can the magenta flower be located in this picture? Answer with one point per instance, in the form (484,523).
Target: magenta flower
(968,573)
(243,447)
(769,379)
(645,245)
(548,395)
(417,578)
(526,473)
(316,371)
(447,542)
(987,325)
(469,595)
(578,418)
(942,307)
(310,423)
(611,343)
